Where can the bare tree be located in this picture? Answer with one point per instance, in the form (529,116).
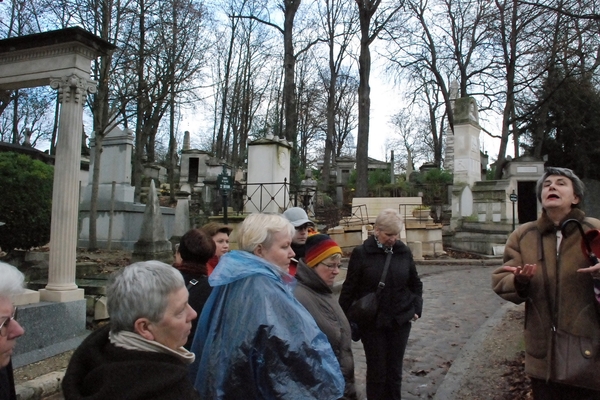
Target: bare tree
(338,23)
(371,23)
(346,118)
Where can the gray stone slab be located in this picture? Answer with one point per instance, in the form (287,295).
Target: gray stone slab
(47,325)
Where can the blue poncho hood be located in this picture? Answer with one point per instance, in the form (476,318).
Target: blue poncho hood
(256,341)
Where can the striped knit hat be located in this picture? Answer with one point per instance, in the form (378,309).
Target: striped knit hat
(319,247)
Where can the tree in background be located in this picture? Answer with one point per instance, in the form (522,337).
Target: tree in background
(571,127)
(371,22)
(338,24)
(26,201)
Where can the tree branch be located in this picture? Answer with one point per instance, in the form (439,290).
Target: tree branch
(259,20)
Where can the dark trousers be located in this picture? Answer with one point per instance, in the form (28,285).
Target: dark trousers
(384,350)
(558,391)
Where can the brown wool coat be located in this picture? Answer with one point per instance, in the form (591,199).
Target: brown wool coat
(571,292)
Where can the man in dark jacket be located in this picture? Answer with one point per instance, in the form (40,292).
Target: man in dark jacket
(400,302)
(11,284)
(302,225)
(316,274)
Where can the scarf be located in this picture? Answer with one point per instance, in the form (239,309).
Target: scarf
(133,341)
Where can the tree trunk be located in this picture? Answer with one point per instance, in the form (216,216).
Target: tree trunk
(138,156)
(289,61)
(364,105)
(101,121)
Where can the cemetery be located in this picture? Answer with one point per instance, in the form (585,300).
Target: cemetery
(66,294)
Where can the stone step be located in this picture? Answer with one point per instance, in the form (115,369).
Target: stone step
(91,286)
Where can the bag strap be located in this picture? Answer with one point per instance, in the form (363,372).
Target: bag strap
(385,269)
(192,284)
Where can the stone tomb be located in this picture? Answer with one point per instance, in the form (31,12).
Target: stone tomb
(119,219)
(60,59)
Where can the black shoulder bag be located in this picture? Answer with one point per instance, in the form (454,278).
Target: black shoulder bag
(364,310)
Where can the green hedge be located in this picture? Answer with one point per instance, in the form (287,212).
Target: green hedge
(25,201)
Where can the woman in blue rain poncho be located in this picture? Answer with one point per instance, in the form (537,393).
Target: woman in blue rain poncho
(254,340)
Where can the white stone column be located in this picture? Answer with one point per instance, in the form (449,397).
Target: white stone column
(269,165)
(72,93)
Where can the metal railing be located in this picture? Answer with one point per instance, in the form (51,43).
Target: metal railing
(358,215)
(269,196)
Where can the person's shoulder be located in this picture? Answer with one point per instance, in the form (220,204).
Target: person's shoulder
(525,228)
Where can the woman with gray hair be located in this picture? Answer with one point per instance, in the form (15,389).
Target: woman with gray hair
(254,340)
(545,267)
(140,355)
(384,258)
(11,284)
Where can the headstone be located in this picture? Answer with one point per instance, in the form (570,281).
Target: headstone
(467,153)
(449,153)
(115,166)
(153,243)
(268,169)
(182,220)
(186,140)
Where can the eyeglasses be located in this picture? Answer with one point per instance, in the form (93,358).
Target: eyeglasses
(6,323)
(332,267)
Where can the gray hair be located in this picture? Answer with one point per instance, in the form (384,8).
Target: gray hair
(578,186)
(12,280)
(389,221)
(140,290)
(259,229)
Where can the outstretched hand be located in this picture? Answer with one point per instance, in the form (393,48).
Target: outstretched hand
(594,270)
(525,273)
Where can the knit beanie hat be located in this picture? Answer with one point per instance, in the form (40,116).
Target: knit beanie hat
(319,247)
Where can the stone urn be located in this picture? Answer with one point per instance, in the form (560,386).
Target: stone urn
(421,213)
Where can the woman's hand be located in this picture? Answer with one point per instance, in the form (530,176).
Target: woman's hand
(594,271)
(525,273)
(415,317)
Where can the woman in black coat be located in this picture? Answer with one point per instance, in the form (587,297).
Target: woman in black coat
(401,302)
(196,247)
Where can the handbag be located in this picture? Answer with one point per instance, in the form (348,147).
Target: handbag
(573,359)
(364,310)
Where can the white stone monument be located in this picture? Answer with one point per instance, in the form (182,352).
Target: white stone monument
(467,156)
(268,169)
(60,59)
(117,148)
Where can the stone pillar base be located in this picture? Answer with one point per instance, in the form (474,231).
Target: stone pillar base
(61,296)
(27,297)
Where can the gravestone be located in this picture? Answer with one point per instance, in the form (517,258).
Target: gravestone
(153,243)
(117,148)
(268,169)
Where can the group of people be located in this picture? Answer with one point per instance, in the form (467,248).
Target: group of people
(264,333)
(254,329)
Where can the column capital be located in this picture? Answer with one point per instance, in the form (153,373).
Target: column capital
(72,88)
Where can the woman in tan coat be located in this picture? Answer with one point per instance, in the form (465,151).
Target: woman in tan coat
(546,268)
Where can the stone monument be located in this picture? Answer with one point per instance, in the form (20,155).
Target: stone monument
(268,169)
(60,59)
(153,243)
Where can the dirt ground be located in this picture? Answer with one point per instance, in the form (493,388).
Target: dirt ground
(497,369)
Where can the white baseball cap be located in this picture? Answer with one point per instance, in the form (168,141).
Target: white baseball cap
(297,216)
